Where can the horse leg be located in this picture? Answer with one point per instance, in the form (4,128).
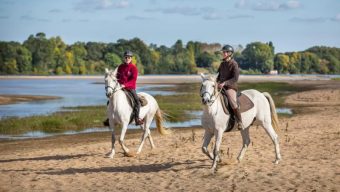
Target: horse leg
(146,128)
(218,141)
(121,139)
(113,140)
(150,139)
(245,143)
(206,140)
(272,134)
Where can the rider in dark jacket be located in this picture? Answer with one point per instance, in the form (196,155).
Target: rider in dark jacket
(228,73)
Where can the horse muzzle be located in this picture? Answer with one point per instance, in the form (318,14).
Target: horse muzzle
(205,100)
(108,94)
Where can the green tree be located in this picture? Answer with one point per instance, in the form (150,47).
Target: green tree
(258,56)
(281,63)
(294,63)
(69,61)
(112,60)
(59,49)
(204,60)
(11,67)
(80,54)
(190,60)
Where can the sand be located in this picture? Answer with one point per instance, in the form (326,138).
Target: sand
(309,146)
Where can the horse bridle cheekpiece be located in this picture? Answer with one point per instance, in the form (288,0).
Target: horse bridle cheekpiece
(206,92)
(114,89)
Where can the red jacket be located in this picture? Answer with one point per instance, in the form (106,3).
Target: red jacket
(127,75)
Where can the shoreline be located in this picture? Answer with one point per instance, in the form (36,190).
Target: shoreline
(175,79)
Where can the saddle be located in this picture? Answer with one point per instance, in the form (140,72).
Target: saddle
(132,103)
(243,102)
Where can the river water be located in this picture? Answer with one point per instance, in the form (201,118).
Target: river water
(73,92)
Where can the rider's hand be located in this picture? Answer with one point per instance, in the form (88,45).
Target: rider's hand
(220,85)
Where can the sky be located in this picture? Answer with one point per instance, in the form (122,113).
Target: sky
(292,25)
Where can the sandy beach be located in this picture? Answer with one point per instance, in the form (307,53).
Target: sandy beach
(309,145)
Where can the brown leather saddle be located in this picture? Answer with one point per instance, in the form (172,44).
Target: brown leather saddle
(244,104)
(132,103)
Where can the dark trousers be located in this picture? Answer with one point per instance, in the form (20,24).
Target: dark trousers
(133,93)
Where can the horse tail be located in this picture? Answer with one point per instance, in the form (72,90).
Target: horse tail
(159,122)
(275,119)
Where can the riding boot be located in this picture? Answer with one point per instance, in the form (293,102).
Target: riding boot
(238,119)
(106,122)
(137,119)
(136,107)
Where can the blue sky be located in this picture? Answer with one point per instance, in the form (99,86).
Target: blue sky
(292,25)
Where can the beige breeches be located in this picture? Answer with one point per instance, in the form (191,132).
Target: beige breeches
(231,94)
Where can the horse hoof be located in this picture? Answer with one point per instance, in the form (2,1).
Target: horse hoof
(130,154)
(213,171)
(110,156)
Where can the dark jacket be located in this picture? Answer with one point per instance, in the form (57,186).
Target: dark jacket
(228,72)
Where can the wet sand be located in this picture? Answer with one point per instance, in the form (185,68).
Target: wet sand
(11,99)
(309,145)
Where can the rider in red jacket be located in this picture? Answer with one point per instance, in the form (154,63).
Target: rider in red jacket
(127,76)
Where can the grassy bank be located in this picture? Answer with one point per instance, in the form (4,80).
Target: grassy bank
(176,106)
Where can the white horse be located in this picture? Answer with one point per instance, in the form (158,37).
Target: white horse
(215,120)
(119,112)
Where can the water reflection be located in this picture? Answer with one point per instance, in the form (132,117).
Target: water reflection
(286,111)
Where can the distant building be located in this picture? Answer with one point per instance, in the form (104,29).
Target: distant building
(273,72)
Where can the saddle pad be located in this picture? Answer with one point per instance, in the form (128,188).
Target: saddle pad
(242,100)
(141,98)
(245,103)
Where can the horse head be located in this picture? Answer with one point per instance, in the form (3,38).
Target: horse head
(111,82)
(208,89)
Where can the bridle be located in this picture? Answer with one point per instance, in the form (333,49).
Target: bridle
(212,101)
(115,88)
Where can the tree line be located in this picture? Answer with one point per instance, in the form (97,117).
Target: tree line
(39,55)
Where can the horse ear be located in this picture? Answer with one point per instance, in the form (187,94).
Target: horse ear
(203,76)
(115,71)
(215,76)
(106,70)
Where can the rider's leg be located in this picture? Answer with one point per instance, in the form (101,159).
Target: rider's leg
(231,93)
(137,107)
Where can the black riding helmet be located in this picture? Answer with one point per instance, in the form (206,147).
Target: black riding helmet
(128,53)
(227,48)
